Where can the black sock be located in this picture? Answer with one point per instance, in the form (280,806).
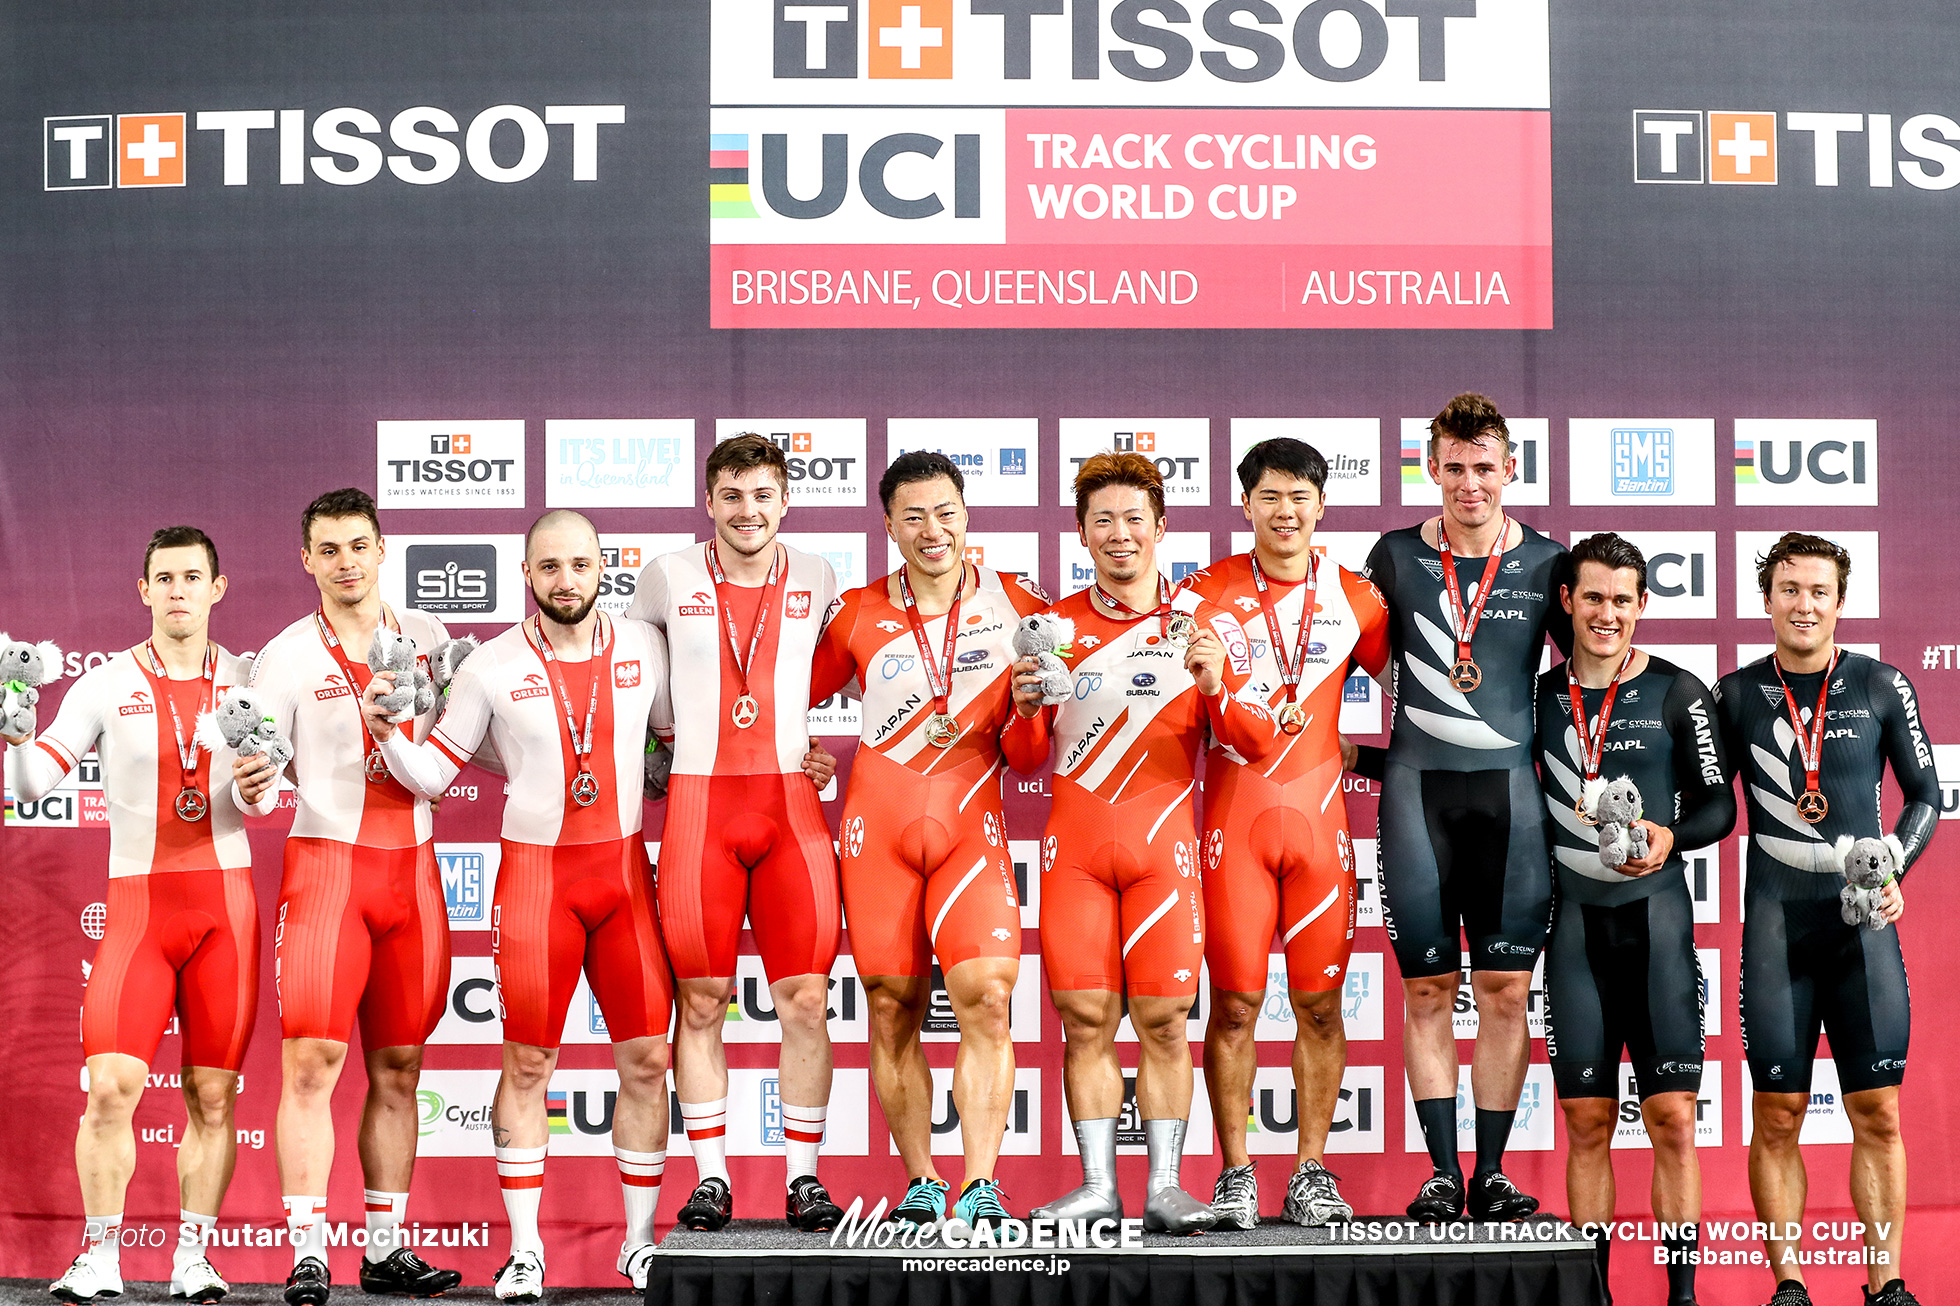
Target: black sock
(1493,1132)
(1437,1116)
(1602,1259)
(1681,1264)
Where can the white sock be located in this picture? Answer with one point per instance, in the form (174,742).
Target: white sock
(707,1127)
(102,1238)
(192,1229)
(384,1222)
(802,1134)
(639,1181)
(520,1173)
(306,1228)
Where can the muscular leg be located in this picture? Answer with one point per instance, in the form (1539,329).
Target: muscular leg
(897,1004)
(105,1145)
(700,1061)
(1319,1060)
(390,1118)
(309,1069)
(1092,1079)
(801,1001)
(1878,1177)
(1589,1158)
(983,1068)
(1777,1182)
(1231,1060)
(210,1148)
(1670,1121)
(517,1114)
(1503,1046)
(1163,1056)
(1428,1037)
(640,1115)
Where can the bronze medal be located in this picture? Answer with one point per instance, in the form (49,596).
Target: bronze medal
(1465,675)
(1812,806)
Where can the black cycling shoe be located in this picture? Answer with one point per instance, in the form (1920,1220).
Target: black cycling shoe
(809,1208)
(308,1284)
(1439,1200)
(1892,1294)
(1790,1292)
(710,1206)
(1494,1197)
(404,1273)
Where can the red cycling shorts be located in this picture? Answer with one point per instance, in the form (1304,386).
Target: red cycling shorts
(926,868)
(1277,860)
(1120,903)
(187,940)
(361,931)
(754,844)
(586,905)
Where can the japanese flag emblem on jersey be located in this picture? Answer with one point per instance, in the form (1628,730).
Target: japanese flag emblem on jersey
(797,605)
(1182,852)
(992,824)
(854,836)
(1048,854)
(1215,849)
(626,675)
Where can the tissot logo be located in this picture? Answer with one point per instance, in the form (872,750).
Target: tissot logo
(1732,148)
(341,146)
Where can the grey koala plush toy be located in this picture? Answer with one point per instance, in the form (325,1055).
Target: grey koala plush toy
(1042,636)
(242,724)
(1615,805)
(24,668)
(1869,865)
(414,692)
(444,662)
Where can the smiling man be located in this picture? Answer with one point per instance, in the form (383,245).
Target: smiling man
(1153,671)
(929,650)
(363,928)
(1462,820)
(1812,728)
(1278,858)
(1620,971)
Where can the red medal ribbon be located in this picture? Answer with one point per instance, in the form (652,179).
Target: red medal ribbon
(581,744)
(186,747)
(1290,668)
(1461,627)
(1810,743)
(1161,611)
(370,752)
(1591,746)
(941,686)
(777,574)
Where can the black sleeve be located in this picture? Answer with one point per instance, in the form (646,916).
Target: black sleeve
(1543,726)
(1380,568)
(1701,765)
(1372,763)
(1557,624)
(1734,744)
(1911,755)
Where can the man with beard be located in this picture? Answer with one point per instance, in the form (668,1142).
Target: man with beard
(362,925)
(567,698)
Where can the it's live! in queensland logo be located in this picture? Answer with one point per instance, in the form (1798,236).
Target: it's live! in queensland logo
(958,163)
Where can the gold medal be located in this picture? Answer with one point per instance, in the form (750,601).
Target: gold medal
(1181,628)
(942,731)
(1293,718)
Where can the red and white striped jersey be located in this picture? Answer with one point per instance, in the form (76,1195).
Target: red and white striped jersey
(1350,629)
(676,592)
(310,700)
(117,710)
(506,690)
(870,653)
(1137,719)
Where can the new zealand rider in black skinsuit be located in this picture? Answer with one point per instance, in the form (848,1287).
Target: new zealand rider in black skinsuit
(1620,970)
(1462,825)
(1803,967)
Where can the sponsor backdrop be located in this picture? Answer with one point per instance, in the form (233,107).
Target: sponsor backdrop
(487,260)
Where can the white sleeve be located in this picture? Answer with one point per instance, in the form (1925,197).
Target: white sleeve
(275,690)
(429,767)
(661,715)
(422,768)
(650,595)
(36,769)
